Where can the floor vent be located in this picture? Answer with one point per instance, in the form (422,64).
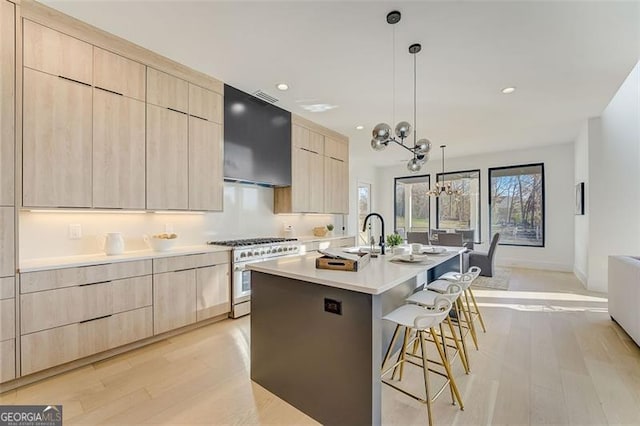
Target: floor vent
(265,97)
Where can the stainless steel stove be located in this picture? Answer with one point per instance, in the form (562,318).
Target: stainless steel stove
(245,252)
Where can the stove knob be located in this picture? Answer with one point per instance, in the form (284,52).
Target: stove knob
(243,254)
(268,251)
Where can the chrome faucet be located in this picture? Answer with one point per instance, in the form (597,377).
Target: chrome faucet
(364,228)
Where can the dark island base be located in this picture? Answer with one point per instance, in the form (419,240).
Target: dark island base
(323,363)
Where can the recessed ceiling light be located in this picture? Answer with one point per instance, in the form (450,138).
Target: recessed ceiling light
(282,86)
(318,107)
(508,90)
(359,127)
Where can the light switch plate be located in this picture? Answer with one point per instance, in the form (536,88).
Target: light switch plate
(75,231)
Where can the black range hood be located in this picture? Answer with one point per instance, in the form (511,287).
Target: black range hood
(257,140)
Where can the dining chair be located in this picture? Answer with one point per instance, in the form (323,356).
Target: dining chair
(451,240)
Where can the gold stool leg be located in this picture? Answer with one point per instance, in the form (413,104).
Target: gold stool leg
(391,344)
(461,350)
(475,305)
(447,367)
(469,318)
(446,356)
(425,370)
(401,356)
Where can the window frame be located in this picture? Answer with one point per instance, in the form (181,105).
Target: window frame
(395,183)
(544,205)
(479,201)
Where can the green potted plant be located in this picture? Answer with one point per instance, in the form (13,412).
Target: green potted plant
(330,228)
(394,240)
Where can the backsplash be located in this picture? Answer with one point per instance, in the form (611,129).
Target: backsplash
(248,212)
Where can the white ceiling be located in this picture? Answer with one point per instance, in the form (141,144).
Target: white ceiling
(567,60)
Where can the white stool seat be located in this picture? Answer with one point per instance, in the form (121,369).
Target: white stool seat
(406,316)
(425,297)
(451,276)
(439,285)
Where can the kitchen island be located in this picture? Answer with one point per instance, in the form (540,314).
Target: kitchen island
(317,336)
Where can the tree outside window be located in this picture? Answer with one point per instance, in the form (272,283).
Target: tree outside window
(516,207)
(460,212)
(411,206)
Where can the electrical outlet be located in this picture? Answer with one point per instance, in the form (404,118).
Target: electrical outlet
(168,227)
(333,306)
(75,231)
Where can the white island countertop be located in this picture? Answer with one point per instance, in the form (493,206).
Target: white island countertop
(380,275)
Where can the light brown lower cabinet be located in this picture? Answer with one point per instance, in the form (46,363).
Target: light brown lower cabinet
(213,291)
(7,242)
(7,319)
(59,345)
(55,308)
(174,300)
(7,360)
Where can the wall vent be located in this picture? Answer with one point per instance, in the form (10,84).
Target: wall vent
(265,97)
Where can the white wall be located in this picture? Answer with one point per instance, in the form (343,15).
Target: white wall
(559,202)
(248,212)
(581,222)
(614,175)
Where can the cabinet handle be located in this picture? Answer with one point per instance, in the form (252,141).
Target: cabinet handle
(308,150)
(337,159)
(97,318)
(185,269)
(109,91)
(99,282)
(196,116)
(175,110)
(75,81)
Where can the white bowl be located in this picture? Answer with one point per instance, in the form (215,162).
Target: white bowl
(160,244)
(401,250)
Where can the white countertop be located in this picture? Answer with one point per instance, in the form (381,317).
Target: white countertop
(32,265)
(377,277)
(311,238)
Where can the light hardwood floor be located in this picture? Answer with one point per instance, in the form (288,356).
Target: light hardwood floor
(551,355)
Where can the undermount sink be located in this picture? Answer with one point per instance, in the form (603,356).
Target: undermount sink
(361,249)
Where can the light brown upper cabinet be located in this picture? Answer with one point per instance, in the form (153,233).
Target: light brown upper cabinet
(7,102)
(118,151)
(57,143)
(118,74)
(206,159)
(57,54)
(336,177)
(336,186)
(167,159)
(167,91)
(205,104)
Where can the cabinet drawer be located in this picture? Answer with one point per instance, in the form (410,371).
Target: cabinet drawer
(54,308)
(69,277)
(58,54)
(59,345)
(7,360)
(7,319)
(167,91)
(205,104)
(178,263)
(119,74)
(7,287)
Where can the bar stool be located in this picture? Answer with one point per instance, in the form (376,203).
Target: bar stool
(423,322)
(441,286)
(427,299)
(473,272)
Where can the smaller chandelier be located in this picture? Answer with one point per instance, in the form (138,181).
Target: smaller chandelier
(382,132)
(443,188)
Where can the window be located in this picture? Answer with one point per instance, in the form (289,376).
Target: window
(411,204)
(364,208)
(462,212)
(516,204)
